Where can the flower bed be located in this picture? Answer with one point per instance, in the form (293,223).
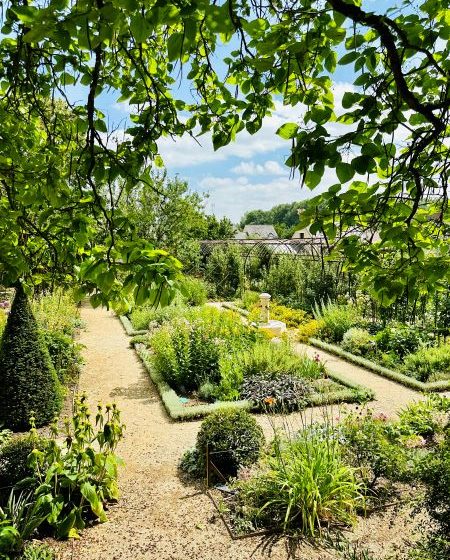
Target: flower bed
(206,359)
(393,375)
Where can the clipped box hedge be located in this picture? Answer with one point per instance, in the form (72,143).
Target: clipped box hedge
(351,392)
(127,325)
(406,380)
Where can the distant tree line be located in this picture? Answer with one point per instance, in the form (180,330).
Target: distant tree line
(284,218)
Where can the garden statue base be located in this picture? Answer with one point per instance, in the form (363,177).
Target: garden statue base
(275,328)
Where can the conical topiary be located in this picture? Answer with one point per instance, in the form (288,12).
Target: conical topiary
(28,381)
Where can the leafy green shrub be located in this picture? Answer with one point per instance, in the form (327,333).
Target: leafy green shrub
(76,477)
(225,270)
(303,485)
(187,351)
(185,355)
(64,353)
(264,360)
(57,312)
(142,316)
(14,456)
(233,439)
(37,551)
(249,299)
(285,392)
(436,475)
(371,448)
(195,291)
(309,330)
(272,360)
(428,364)
(425,418)
(284,279)
(358,341)
(27,376)
(400,340)
(335,320)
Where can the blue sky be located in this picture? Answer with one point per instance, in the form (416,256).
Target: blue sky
(248,174)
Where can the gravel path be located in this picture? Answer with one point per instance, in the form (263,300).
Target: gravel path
(157,516)
(389,396)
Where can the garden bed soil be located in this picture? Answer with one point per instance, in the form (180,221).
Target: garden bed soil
(157,516)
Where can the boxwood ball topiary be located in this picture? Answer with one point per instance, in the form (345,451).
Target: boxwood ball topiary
(28,380)
(233,438)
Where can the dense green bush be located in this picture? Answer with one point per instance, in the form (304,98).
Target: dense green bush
(263,359)
(144,316)
(185,355)
(335,320)
(371,447)
(358,341)
(57,312)
(284,280)
(195,291)
(436,475)
(303,485)
(233,438)
(64,353)
(425,418)
(27,376)
(399,340)
(14,456)
(187,351)
(428,364)
(225,270)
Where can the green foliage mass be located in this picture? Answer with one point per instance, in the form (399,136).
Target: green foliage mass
(303,485)
(284,217)
(30,385)
(335,319)
(233,439)
(428,364)
(225,270)
(14,456)
(62,182)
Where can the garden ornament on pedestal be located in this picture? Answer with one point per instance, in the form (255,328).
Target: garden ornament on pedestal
(273,327)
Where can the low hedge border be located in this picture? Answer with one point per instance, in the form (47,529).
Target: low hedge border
(127,325)
(410,382)
(233,307)
(350,394)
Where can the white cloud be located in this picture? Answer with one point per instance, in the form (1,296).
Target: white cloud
(188,151)
(233,196)
(269,167)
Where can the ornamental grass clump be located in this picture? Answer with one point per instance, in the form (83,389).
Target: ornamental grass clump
(303,486)
(29,382)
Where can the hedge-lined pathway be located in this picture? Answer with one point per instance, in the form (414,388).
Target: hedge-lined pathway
(389,395)
(157,516)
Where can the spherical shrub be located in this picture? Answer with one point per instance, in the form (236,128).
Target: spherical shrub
(358,341)
(233,438)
